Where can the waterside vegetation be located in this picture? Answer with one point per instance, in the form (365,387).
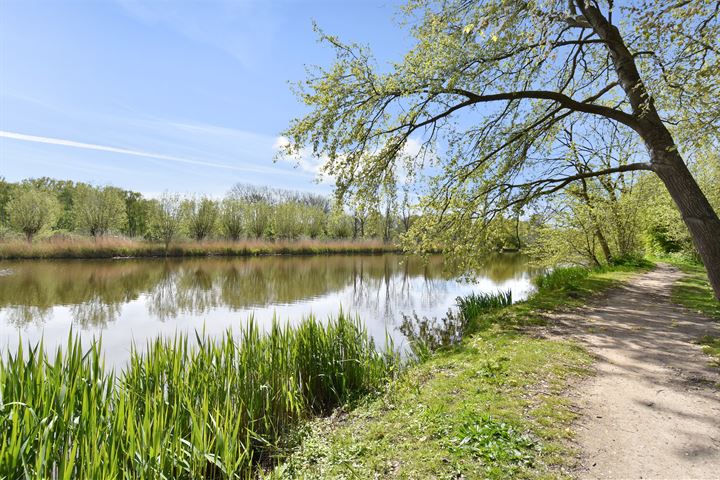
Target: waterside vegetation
(185,408)
(483,399)
(78,247)
(312,401)
(489,406)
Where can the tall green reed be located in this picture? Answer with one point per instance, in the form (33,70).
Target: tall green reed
(427,336)
(185,408)
(475,304)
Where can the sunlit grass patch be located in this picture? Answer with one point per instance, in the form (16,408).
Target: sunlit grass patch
(694,291)
(711,346)
(490,409)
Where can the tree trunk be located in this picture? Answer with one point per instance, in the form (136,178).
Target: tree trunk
(598,231)
(696,212)
(666,162)
(603,244)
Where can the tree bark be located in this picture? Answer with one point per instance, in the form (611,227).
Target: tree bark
(696,212)
(603,244)
(665,160)
(598,231)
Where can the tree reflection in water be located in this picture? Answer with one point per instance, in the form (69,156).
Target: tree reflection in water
(95,291)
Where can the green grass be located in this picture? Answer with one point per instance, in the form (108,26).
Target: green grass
(183,409)
(711,346)
(694,291)
(491,407)
(573,291)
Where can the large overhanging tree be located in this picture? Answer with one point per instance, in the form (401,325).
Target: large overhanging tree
(490,86)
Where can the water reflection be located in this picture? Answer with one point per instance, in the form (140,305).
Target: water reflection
(136,298)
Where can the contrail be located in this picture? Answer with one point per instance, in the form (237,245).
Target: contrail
(137,153)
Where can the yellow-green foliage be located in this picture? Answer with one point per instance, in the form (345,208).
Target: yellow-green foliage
(31,210)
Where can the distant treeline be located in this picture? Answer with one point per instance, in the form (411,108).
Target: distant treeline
(46,206)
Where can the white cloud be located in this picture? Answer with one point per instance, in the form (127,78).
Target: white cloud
(136,153)
(304,160)
(307,162)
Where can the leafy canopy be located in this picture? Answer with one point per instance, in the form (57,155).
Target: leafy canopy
(486,92)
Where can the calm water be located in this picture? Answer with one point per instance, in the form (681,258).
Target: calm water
(131,300)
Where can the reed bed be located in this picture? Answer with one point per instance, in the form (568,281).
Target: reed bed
(427,336)
(185,408)
(72,247)
(474,305)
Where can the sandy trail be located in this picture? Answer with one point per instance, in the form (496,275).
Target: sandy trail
(653,408)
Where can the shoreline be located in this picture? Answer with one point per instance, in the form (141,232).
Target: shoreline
(128,249)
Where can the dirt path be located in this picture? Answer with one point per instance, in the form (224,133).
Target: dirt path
(653,409)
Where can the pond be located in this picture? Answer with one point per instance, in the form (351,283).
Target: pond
(129,301)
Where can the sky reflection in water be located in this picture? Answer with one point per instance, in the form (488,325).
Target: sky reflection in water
(137,299)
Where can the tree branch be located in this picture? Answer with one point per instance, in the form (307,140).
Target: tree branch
(564,100)
(563,181)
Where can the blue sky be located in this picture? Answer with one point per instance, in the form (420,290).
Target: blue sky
(187,96)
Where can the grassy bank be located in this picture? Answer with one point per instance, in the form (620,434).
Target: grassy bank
(490,407)
(70,247)
(196,408)
(694,292)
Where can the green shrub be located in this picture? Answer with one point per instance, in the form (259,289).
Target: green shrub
(564,278)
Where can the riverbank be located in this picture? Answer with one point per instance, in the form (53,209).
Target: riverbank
(77,248)
(492,407)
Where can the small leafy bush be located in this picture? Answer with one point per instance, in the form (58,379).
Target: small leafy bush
(430,335)
(494,441)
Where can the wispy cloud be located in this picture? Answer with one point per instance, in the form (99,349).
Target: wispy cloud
(136,153)
(307,162)
(304,159)
(243,30)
